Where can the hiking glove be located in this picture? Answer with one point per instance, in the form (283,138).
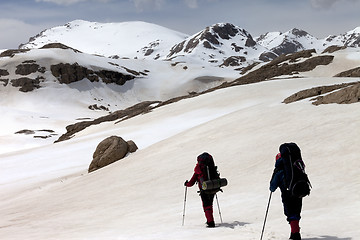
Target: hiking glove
(186,182)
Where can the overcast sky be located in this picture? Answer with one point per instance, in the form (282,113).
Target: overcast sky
(22,19)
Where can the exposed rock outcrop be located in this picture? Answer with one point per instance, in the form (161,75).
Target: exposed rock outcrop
(12,52)
(5,82)
(26,84)
(110,150)
(4,72)
(139,108)
(355,72)
(333,48)
(286,65)
(338,93)
(29,67)
(69,73)
(59,45)
(346,95)
(44,133)
(233,61)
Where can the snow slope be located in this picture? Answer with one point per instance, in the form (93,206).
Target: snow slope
(108,39)
(47,194)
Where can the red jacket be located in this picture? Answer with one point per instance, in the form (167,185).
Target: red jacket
(198,176)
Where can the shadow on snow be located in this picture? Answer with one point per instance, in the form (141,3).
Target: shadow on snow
(233,225)
(326,238)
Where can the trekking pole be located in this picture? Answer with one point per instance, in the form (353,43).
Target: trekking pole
(218,208)
(184,207)
(267,209)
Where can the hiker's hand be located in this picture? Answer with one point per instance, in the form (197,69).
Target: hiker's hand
(186,182)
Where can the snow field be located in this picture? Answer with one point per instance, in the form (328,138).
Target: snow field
(47,194)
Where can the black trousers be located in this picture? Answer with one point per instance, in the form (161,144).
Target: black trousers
(207,199)
(292,206)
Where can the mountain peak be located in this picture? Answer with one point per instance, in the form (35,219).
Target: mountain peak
(107,39)
(217,42)
(298,32)
(354,31)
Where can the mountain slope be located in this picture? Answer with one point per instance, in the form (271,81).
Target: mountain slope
(56,199)
(294,40)
(108,39)
(221,44)
(349,39)
(86,86)
(46,192)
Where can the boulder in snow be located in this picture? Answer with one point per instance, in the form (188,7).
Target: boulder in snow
(110,150)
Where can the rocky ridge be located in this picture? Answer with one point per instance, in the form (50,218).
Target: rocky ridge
(292,64)
(21,70)
(222,44)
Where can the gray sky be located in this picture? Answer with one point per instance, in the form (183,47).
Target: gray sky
(22,19)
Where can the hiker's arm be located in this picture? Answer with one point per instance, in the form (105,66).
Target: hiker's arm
(275,179)
(192,181)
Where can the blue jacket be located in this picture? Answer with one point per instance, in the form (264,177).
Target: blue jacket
(278,177)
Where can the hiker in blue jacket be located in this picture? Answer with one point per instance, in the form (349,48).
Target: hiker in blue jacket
(292,205)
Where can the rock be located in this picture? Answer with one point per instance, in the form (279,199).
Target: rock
(5,82)
(28,67)
(127,113)
(132,146)
(59,45)
(4,72)
(233,61)
(355,72)
(109,151)
(333,48)
(285,65)
(26,84)
(97,107)
(25,131)
(69,73)
(346,95)
(13,52)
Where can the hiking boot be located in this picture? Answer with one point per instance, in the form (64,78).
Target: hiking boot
(295,236)
(210,224)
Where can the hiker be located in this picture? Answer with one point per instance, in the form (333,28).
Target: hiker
(200,175)
(291,195)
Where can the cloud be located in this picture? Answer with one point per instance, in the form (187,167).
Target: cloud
(70,2)
(327,4)
(14,32)
(191,3)
(143,5)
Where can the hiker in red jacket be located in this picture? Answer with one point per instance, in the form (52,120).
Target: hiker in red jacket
(200,175)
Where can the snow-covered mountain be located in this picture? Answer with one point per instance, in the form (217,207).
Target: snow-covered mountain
(294,40)
(55,74)
(129,54)
(221,44)
(121,40)
(349,39)
(241,118)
